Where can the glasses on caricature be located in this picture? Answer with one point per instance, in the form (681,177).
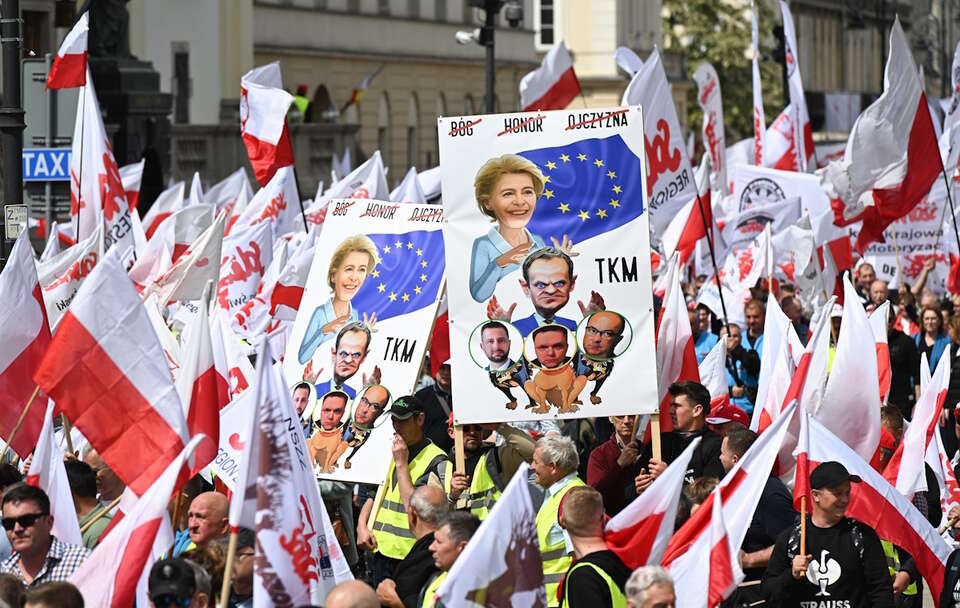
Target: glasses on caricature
(377,406)
(593,332)
(345,356)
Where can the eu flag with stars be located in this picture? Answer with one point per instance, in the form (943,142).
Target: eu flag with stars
(407,277)
(592,186)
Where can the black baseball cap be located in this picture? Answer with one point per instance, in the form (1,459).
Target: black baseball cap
(406,406)
(171,577)
(830,475)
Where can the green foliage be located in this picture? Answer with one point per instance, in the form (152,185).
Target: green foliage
(718,32)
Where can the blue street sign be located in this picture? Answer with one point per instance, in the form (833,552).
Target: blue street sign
(46,164)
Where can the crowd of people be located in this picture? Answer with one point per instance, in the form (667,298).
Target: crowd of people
(582,472)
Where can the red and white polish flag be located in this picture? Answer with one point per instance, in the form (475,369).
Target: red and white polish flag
(878,323)
(905,471)
(276,204)
(234,372)
(850,412)
(63,274)
(892,157)
(873,501)
(168,202)
(687,228)
(777,331)
(802,129)
(48,473)
(713,374)
(24,338)
(132,176)
(676,357)
(639,534)
(298,559)
(69,67)
(553,85)
(738,494)
(197,265)
(263,120)
(759,123)
(106,371)
(198,387)
(120,564)
(244,257)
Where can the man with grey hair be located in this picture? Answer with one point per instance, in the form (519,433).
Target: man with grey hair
(650,587)
(555,463)
(428,509)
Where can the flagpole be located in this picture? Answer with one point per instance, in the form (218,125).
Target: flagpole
(66,432)
(105,511)
(16,427)
(303,214)
(896,250)
(83,129)
(713,258)
(803,525)
(228,568)
(953,211)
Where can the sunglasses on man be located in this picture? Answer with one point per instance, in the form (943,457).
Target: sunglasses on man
(25,521)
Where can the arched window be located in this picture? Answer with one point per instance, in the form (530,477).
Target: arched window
(413,121)
(383,128)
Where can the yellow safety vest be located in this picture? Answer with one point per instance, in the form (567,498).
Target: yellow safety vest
(554,556)
(483,490)
(893,564)
(391,527)
(619,599)
(429,594)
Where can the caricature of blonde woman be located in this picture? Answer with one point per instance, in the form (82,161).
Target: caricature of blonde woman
(352,261)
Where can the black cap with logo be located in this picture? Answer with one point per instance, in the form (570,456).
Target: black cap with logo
(405,407)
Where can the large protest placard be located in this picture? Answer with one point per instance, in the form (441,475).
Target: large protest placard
(547,235)
(756,187)
(918,236)
(362,329)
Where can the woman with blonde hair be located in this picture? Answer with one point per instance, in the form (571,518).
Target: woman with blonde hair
(507,188)
(350,265)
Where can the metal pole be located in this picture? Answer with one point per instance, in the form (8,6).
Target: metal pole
(491,14)
(51,133)
(11,111)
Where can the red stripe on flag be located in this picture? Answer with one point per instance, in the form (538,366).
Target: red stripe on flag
(266,158)
(558,96)
(700,521)
(634,543)
(285,295)
(156,223)
(923,165)
(721,571)
(204,417)
(128,433)
(132,563)
(68,71)
(883,368)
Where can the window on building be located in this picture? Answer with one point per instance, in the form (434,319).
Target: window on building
(413,9)
(413,122)
(37,30)
(353,6)
(383,7)
(181,84)
(440,10)
(383,128)
(544,19)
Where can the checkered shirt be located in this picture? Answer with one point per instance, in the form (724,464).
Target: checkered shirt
(62,561)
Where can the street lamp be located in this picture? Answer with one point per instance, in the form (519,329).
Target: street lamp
(484,35)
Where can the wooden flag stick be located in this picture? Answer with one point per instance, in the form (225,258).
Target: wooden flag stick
(377,501)
(655,434)
(66,433)
(803,525)
(16,427)
(228,568)
(106,511)
(896,250)
(458,449)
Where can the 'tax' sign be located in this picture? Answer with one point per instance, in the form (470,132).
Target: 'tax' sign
(46,164)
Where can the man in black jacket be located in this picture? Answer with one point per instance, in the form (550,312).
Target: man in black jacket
(844,563)
(428,508)
(689,405)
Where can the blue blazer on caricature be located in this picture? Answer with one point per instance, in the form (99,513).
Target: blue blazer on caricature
(484,271)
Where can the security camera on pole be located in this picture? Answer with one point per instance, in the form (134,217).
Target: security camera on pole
(483,36)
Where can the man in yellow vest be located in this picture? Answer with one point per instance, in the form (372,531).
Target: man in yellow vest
(555,463)
(597,577)
(448,543)
(298,110)
(416,462)
(490,467)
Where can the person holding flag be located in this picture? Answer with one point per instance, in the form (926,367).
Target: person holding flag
(492,466)
(844,559)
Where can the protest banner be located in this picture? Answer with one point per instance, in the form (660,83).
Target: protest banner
(547,301)
(362,328)
(757,186)
(917,237)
